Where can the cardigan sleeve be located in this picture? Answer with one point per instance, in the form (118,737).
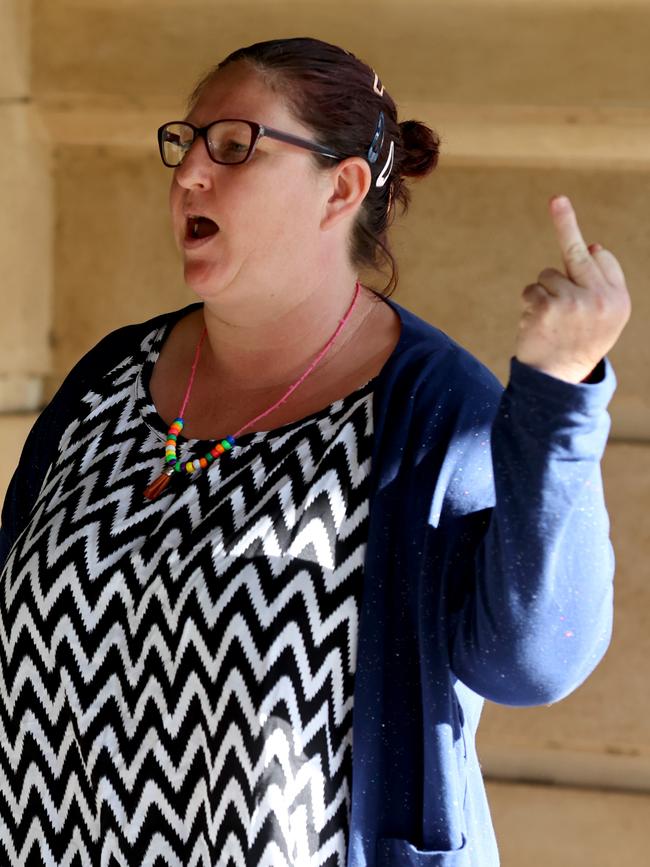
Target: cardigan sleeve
(26,482)
(535,614)
(38,452)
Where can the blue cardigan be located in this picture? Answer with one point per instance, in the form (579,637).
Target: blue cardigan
(488,574)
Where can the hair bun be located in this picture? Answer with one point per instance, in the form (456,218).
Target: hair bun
(421,149)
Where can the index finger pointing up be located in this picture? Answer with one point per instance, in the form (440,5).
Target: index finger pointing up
(575,253)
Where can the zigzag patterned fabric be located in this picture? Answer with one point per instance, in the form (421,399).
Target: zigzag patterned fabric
(177,676)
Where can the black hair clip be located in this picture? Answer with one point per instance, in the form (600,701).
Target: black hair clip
(377,140)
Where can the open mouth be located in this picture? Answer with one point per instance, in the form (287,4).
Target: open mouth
(200,227)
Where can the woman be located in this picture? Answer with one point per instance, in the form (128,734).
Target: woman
(266,555)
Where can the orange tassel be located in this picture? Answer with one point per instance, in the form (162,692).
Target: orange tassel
(159,484)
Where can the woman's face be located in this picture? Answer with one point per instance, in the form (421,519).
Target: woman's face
(268,209)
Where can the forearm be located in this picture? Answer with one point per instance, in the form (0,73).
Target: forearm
(537,618)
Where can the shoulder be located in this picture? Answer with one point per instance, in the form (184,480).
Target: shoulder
(110,351)
(117,344)
(429,368)
(41,444)
(437,406)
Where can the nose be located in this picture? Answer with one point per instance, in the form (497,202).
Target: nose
(197,168)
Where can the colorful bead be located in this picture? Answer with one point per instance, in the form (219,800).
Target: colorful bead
(171,446)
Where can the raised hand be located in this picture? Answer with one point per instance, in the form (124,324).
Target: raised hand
(570,321)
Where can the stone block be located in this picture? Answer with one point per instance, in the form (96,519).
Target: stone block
(115,259)
(475,236)
(15,71)
(456,51)
(541,825)
(25,246)
(20,393)
(491,135)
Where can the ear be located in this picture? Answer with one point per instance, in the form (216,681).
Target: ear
(347,186)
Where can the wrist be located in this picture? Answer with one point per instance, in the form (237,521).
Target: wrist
(574,374)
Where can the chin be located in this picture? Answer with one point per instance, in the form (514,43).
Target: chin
(204,278)
(200,278)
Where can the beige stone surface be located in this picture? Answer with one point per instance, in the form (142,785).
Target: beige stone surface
(579,137)
(474,237)
(115,258)
(613,138)
(25,243)
(451,50)
(600,734)
(539,826)
(20,393)
(15,70)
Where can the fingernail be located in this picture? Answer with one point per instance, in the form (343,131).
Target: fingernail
(595,248)
(559,199)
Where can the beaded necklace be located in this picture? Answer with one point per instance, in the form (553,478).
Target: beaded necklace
(172,462)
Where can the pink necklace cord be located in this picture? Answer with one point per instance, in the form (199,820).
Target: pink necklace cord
(174,465)
(195,364)
(292,388)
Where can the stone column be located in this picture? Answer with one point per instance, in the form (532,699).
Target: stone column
(26,224)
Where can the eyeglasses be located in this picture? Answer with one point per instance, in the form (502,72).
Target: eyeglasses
(229,142)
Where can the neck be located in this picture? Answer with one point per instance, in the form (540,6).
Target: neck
(271,344)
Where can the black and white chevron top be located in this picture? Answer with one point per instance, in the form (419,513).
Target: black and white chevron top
(177,677)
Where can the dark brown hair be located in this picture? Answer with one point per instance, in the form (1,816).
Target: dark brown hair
(340,98)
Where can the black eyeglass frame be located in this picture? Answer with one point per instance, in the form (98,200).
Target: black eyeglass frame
(258,131)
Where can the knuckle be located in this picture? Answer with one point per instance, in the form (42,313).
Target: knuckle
(606,306)
(533,292)
(577,252)
(571,303)
(601,304)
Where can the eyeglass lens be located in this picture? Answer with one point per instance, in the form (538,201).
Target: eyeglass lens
(228,142)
